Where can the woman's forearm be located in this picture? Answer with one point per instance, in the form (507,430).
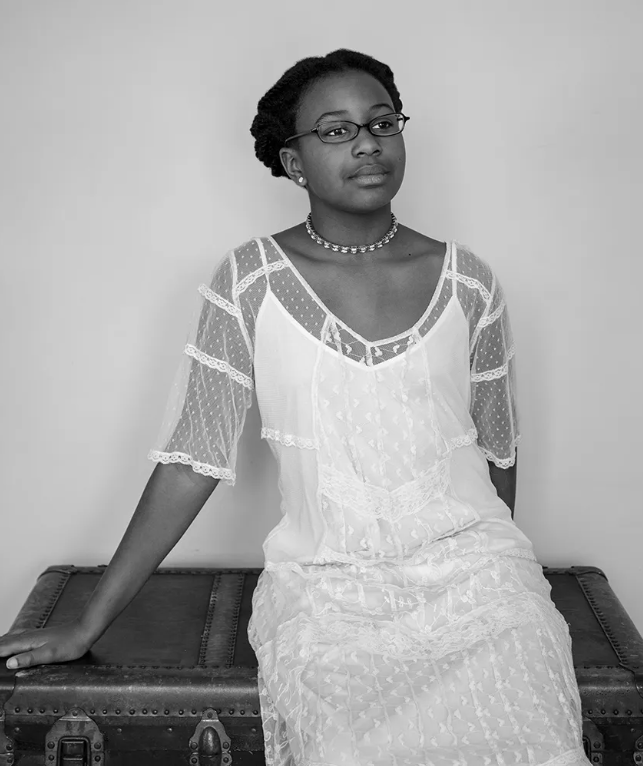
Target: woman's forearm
(173,497)
(504,480)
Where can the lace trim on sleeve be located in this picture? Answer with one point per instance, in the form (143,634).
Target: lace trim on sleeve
(499,372)
(491,318)
(202,468)
(219,364)
(288,440)
(247,281)
(465,440)
(502,462)
(213,297)
(471,282)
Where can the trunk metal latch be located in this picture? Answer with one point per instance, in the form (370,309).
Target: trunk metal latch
(74,740)
(210,745)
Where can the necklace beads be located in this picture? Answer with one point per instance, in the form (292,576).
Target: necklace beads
(351,248)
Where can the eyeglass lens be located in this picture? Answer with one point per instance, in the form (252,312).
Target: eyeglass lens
(338,131)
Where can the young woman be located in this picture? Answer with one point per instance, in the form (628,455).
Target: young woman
(402,617)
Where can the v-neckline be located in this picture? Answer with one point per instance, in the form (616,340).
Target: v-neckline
(449,245)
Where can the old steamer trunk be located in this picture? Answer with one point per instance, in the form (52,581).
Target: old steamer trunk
(174,680)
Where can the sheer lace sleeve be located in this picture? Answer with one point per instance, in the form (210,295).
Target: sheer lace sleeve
(213,387)
(493,380)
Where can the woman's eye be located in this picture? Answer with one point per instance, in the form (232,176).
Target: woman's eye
(332,131)
(383,125)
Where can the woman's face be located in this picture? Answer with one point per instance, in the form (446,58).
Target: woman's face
(329,169)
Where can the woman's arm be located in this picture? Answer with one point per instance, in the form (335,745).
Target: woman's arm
(171,500)
(504,480)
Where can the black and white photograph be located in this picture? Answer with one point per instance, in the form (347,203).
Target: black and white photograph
(321,383)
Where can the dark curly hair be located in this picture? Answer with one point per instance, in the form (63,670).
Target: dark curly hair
(277,109)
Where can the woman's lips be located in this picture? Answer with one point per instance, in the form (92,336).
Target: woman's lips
(370,175)
(370,170)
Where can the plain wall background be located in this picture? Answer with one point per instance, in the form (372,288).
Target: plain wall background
(127,170)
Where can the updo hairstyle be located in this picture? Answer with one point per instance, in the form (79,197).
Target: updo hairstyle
(277,109)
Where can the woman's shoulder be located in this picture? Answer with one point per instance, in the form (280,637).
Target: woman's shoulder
(463,259)
(471,266)
(250,255)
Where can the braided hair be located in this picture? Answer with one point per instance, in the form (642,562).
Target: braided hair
(277,109)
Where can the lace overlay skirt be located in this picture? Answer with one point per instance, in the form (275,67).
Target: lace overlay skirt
(384,668)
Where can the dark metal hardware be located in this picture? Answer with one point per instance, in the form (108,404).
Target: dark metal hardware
(73,752)
(74,740)
(593,742)
(7,745)
(210,745)
(638,751)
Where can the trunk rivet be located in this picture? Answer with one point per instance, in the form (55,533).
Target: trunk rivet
(154,712)
(193,745)
(132,711)
(97,758)
(226,745)
(97,745)
(118,711)
(42,709)
(52,757)
(144,711)
(167,712)
(50,745)
(194,759)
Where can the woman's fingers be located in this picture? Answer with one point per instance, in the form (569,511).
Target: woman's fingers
(20,644)
(39,656)
(11,643)
(45,645)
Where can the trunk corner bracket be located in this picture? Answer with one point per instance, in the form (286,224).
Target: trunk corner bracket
(7,745)
(210,745)
(75,727)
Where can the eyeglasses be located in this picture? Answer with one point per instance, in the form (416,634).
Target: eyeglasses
(339,131)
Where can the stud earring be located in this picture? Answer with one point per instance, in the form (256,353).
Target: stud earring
(301,179)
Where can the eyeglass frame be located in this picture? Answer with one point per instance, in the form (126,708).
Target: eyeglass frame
(357,125)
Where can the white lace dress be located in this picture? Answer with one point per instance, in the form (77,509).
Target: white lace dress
(402,618)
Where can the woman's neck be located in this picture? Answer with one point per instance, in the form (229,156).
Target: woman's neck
(344,228)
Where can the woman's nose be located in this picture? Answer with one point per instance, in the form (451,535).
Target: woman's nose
(366,143)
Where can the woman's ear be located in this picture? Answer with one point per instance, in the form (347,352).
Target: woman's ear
(292,165)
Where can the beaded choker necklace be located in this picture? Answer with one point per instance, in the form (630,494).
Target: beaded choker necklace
(351,248)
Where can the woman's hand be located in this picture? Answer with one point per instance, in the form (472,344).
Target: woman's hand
(44,646)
